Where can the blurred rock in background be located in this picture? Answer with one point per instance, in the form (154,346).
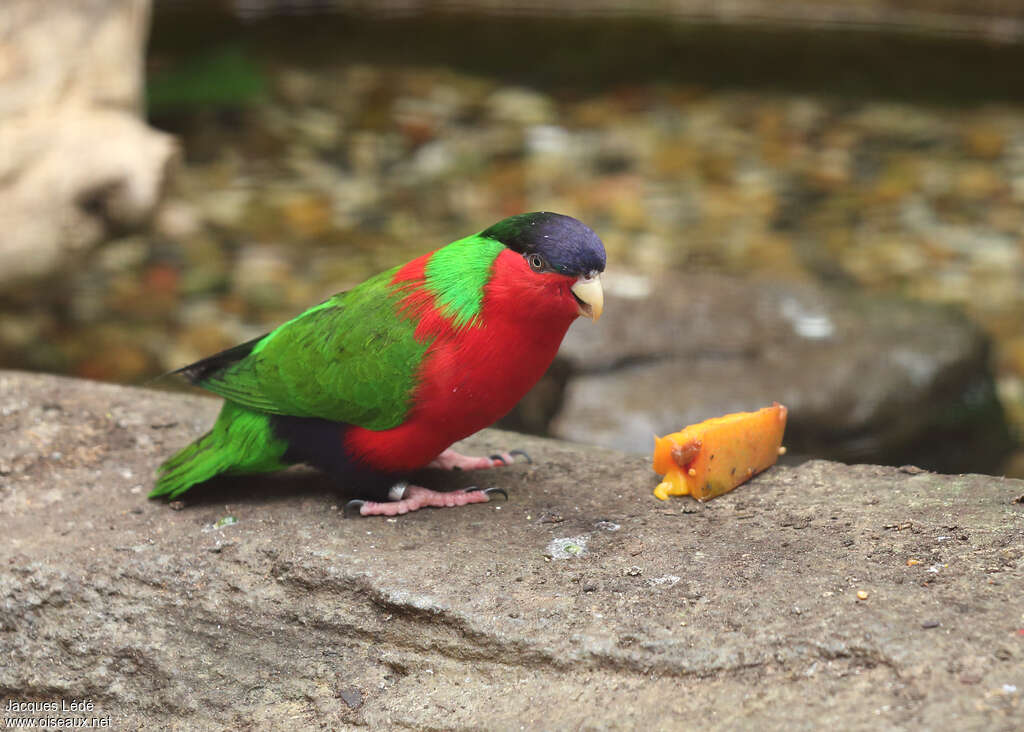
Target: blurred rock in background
(77,164)
(866,379)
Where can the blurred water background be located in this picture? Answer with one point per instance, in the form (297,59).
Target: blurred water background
(876,149)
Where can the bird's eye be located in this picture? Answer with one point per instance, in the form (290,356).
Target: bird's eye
(536,262)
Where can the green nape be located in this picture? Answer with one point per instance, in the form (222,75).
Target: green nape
(457,274)
(241,441)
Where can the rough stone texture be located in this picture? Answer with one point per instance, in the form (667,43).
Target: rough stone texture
(76,163)
(865,379)
(739,614)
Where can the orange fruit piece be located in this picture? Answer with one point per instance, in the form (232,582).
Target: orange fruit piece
(711,458)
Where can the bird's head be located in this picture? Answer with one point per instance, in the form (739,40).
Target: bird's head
(559,254)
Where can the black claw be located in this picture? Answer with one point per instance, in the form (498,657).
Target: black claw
(529,460)
(499,457)
(354,505)
(487,491)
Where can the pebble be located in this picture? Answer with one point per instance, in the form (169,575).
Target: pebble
(521,106)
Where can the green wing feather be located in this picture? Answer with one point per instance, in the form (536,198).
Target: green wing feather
(349,359)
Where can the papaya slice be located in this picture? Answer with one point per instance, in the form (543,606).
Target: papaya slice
(711,458)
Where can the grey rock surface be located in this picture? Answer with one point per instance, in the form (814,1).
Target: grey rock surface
(77,164)
(865,380)
(742,613)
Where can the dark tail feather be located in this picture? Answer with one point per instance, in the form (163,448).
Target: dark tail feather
(205,368)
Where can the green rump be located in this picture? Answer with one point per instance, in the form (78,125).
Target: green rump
(241,441)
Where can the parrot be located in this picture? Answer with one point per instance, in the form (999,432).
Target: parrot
(377,382)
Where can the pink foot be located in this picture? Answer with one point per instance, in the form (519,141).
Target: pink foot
(452,460)
(416,497)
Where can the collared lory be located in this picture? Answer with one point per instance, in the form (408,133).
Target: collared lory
(380,380)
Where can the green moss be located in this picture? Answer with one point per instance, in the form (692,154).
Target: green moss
(223,77)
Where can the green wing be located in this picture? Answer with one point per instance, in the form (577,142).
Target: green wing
(349,359)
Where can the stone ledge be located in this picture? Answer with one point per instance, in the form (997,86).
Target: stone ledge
(740,613)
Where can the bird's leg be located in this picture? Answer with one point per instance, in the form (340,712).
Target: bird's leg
(452,460)
(405,497)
